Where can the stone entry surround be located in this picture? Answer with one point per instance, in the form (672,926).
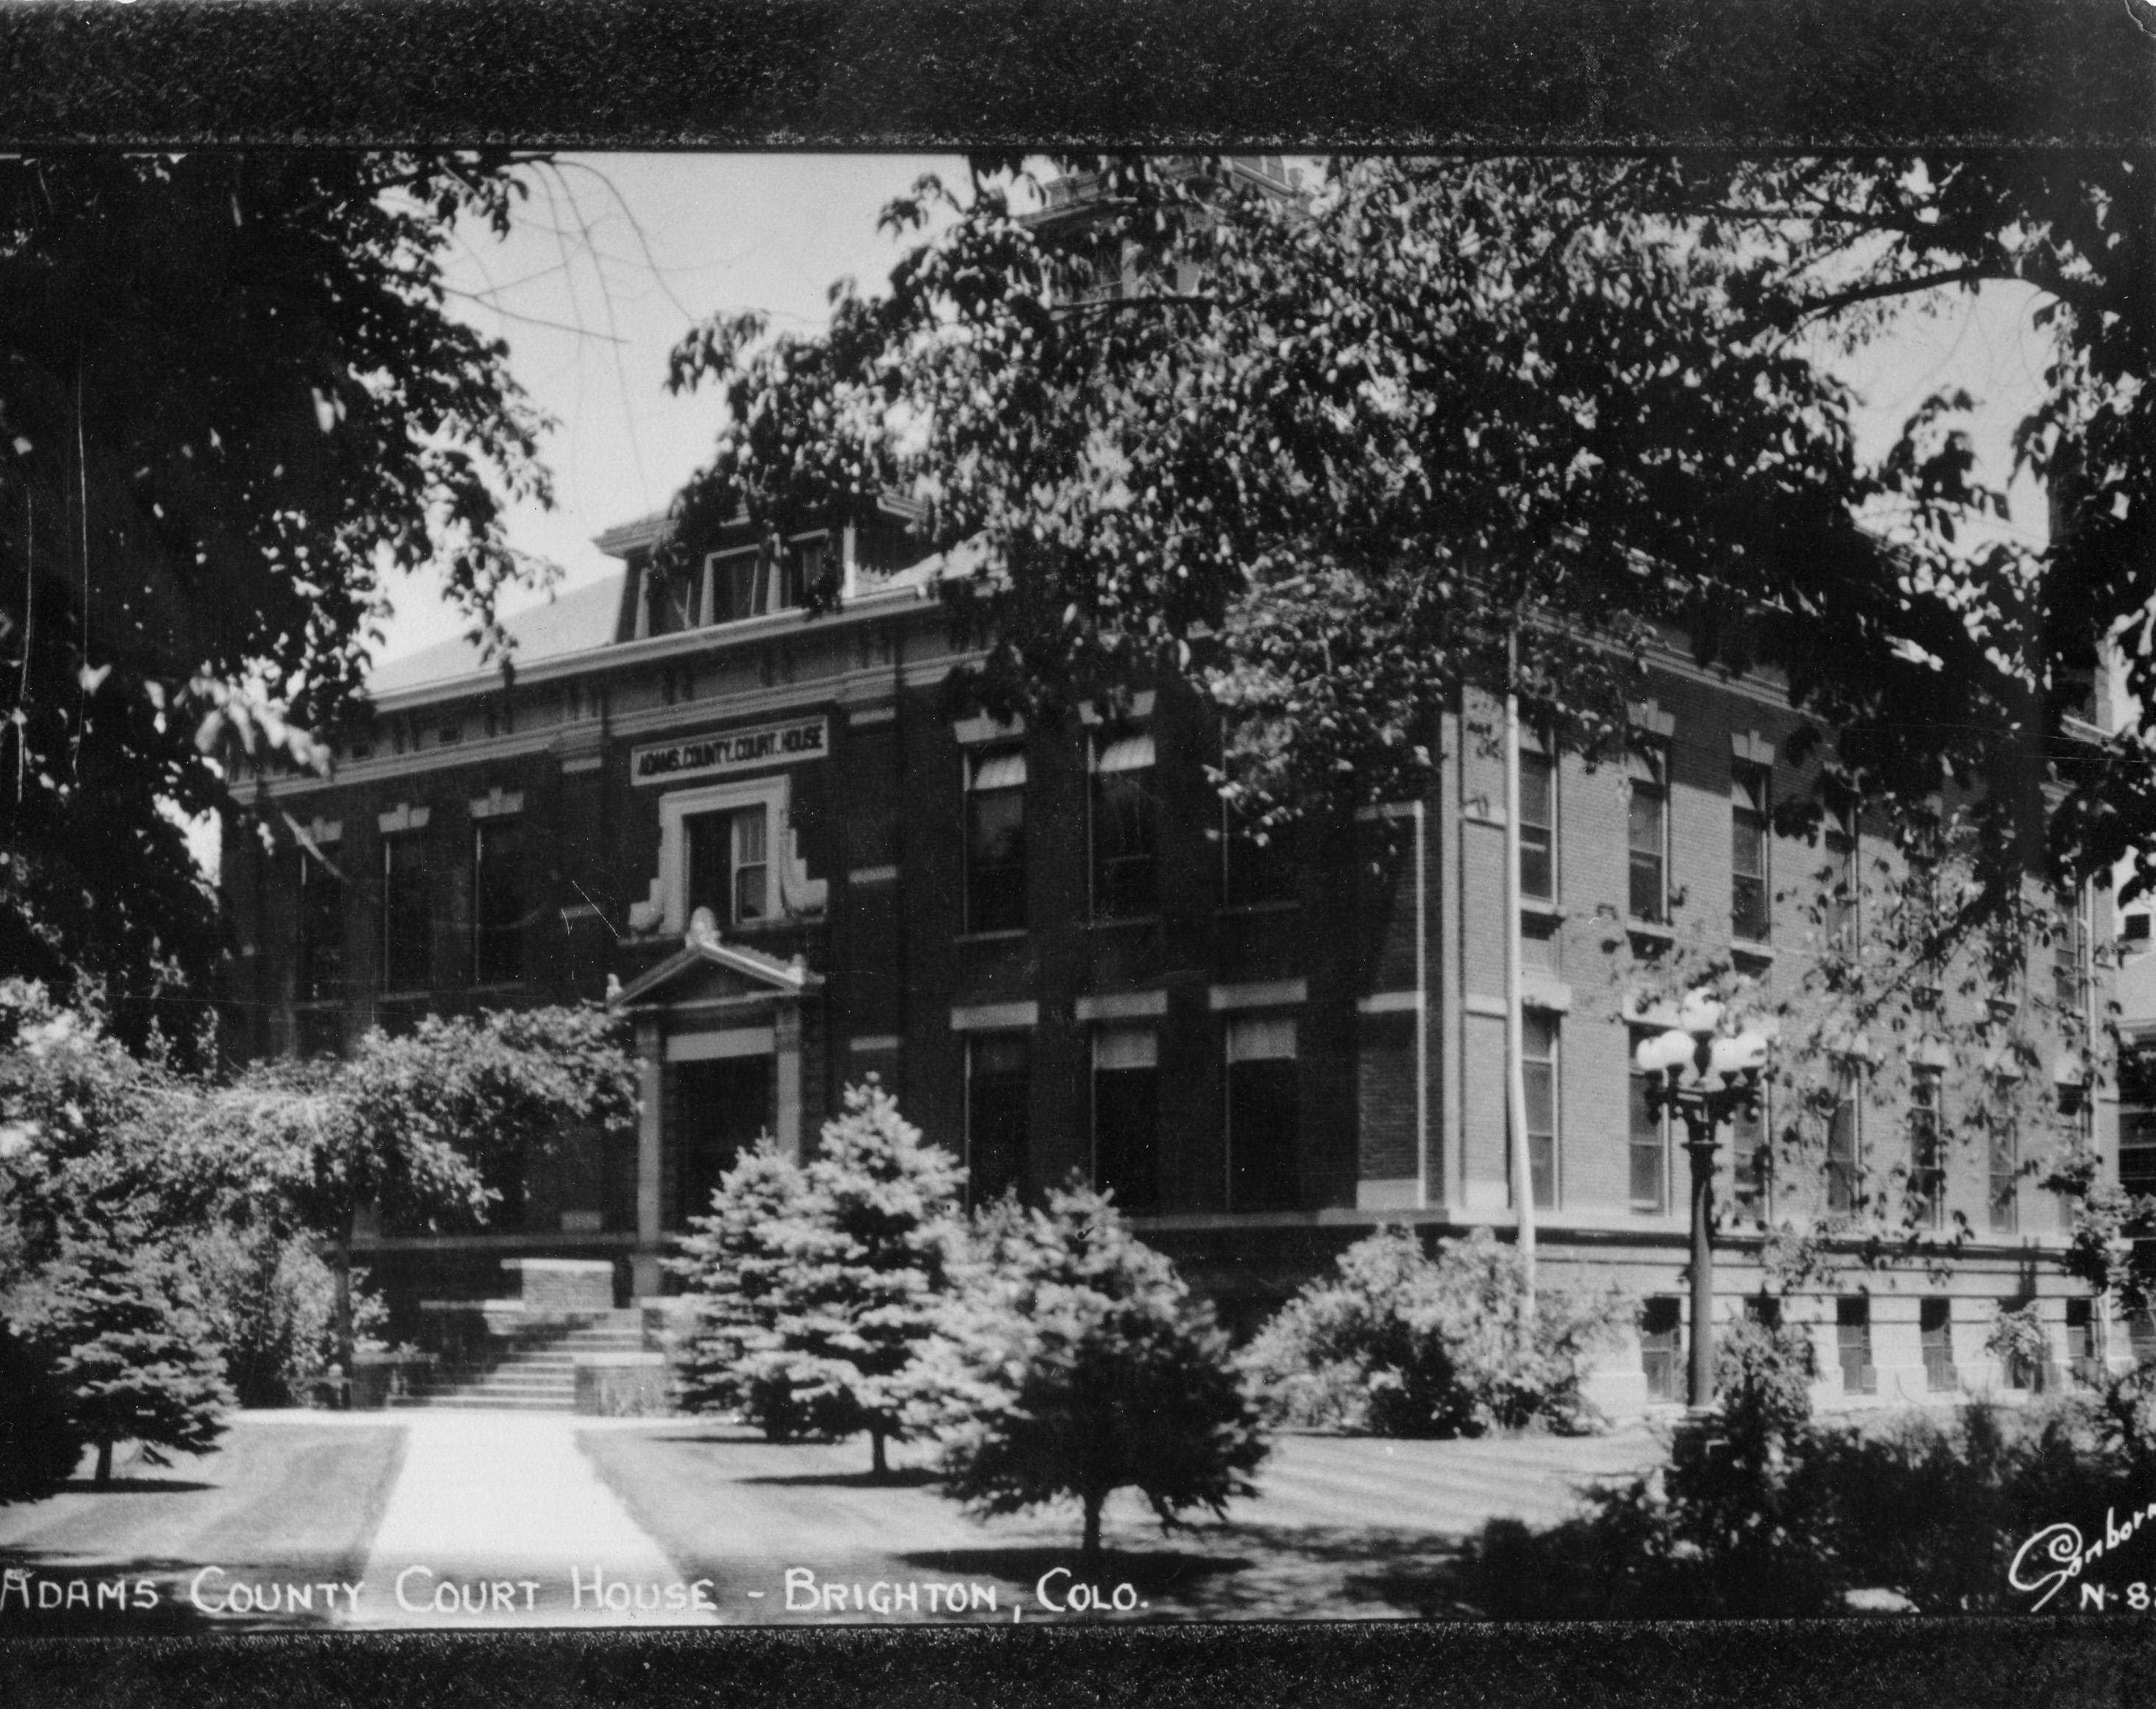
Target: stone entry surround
(712,998)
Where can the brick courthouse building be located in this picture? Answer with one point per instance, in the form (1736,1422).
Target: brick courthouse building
(1043,942)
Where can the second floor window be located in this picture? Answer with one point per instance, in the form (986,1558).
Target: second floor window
(729,864)
(1844,896)
(995,842)
(497,901)
(2005,1172)
(1647,834)
(1926,1177)
(321,930)
(1845,1141)
(1749,804)
(1537,827)
(408,916)
(2070,957)
(1752,1162)
(1126,828)
(1252,871)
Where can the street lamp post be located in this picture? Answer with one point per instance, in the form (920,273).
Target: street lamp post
(1706,1077)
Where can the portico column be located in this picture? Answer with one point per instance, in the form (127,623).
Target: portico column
(785,1046)
(651,1056)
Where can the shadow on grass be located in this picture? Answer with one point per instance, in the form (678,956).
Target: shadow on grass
(900,1477)
(1160,1573)
(1242,1571)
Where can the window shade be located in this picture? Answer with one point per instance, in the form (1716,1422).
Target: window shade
(1125,1047)
(999,771)
(1125,753)
(1261,1039)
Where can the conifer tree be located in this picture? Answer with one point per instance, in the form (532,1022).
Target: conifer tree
(737,1266)
(1076,1362)
(869,1251)
(137,1359)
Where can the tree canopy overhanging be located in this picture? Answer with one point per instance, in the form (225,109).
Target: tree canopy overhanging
(232,406)
(1327,453)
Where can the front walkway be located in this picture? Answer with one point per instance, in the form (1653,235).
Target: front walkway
(498,1518)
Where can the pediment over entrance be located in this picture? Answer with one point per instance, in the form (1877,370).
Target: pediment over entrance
(708,970)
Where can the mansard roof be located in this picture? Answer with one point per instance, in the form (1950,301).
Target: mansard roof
(570,623)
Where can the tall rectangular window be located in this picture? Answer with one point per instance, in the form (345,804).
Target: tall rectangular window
(2070,957)
(1926,1176)
(1126,827)
(1935,1332)
(1538,827)
(1539,1063)
(1752,1162)
(729,867)
(1661,1347)
(730,592)
(998,1096)
(408,918)
(1263,1117)
(1650,1149)
(1844,918)
(995,842)
(497,901)
(1126,1115)
(2081,1342)
(2005,1148)
(1845,1141)
(321,930)
(1647,833)
(2136,1152)
(1252,871)
(1852,1339)
(1750,896)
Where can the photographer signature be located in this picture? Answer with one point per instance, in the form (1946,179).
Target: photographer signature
(2057,1555)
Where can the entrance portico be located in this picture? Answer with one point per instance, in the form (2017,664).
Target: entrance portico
(719,1043)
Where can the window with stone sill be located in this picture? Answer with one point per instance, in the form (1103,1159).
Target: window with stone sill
(1647,834)
(1125,827)
(1751,892)
(995,840)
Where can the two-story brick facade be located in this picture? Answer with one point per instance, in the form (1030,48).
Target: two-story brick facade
(766,837)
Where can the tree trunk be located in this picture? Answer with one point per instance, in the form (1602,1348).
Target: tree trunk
(1090,1555)
(103,1463)
(879,1467)
(340,1263)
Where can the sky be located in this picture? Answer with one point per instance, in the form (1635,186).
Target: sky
(614,258)
(616,255)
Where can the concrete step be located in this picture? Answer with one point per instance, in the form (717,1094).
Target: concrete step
(515,1379)
(477,1403)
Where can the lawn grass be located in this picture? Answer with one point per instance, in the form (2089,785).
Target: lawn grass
(282,1500)
(1343,1527)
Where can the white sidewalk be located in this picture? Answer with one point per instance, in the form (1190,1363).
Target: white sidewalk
(498,1519)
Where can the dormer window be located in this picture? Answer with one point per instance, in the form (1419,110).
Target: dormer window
(753,581)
